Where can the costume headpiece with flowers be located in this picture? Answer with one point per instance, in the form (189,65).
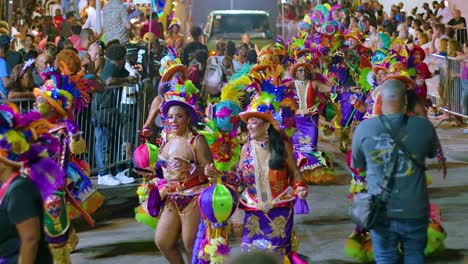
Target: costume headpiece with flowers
(20,135)
(171,64)
(174,22)
(323,16)
(272,95)
(64,94)
(356,35)
(185,94)
(273,54)
(417,50)
(302,58)
(381,60)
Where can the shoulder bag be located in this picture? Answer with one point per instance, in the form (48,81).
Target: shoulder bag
(368,208)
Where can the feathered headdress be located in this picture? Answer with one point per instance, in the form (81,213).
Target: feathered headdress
(271,95)
(171,64)
(221,131)
(20,135)
(63,93)
(180,93)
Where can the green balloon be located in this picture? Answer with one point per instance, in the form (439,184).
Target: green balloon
(222,203)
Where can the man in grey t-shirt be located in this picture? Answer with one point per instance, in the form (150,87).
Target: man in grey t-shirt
(407,214)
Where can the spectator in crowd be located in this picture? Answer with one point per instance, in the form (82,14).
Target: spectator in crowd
(188,53)
(4,73)
(43,62)
(241,59)
(97,57)
(252,57)
(58,18)
(173,33)
(220,52)
(28,46)
(51,50)
(75,37)
(459,24)
(66,30)
(113,73)
(87,37)
(115,21)
(132,9)
(21,82)
(64,44)
(405,220)
(424,42)
(438,34)
(91,21)
(403,33)
(196,70)
(246,39)
(380,14)
(428,12)
(13,58)
(443,13)
(156,27)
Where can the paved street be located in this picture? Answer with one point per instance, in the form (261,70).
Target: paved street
(119,239)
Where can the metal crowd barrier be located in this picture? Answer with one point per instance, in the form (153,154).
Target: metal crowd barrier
(449,80)
(461,34)
(121,110)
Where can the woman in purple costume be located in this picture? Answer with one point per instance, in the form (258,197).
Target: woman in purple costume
(272,181)
(309,88)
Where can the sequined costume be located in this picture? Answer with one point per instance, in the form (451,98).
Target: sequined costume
(77,196)
(182,189)
(268,205)
(306,137)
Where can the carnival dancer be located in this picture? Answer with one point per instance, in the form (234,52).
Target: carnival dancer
(354,44)
(309,89)
(27,176)
(222,134)
(416,60)
(171,69)
(344,74)
(183,156)
(271,178)
(55,100)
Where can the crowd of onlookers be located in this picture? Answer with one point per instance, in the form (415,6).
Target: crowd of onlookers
(35,35)
(370,17)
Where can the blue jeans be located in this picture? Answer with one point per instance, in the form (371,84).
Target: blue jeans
(411,234)
(101,144)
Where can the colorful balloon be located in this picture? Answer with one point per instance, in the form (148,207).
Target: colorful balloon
(217,204)
(145,156)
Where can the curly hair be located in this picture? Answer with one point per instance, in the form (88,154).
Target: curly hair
(70,59)
(16,75)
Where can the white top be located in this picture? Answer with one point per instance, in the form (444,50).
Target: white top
(91,21)
(82,5)
(237,65)
(446,15)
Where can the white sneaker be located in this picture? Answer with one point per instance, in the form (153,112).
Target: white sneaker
(108,179)
(124,178)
